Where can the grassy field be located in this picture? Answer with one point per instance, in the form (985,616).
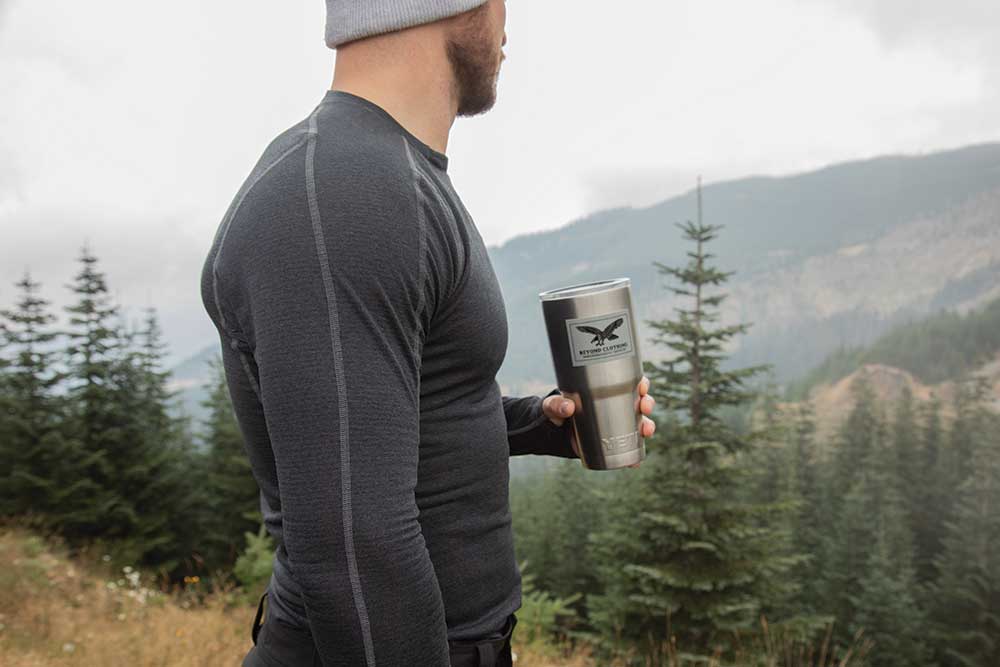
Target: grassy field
(85,611)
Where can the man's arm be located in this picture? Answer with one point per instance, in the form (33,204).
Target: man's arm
(338,314)
(529,431)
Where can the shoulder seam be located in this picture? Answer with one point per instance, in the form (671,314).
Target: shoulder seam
(338,368)
(224,227)
(460,283)
(422,250)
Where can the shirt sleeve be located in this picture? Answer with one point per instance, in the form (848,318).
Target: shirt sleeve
(340,304)
(529,431)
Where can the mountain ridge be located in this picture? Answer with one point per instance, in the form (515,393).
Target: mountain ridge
(822,258)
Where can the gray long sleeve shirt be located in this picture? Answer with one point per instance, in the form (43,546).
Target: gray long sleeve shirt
(362,327)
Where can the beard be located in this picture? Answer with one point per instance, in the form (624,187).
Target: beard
(474,65)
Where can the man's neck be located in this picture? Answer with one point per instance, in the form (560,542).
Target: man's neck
(408,75)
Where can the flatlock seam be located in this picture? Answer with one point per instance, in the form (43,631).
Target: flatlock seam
(422,252)
(338,365)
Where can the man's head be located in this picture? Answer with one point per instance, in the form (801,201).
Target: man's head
(473,34)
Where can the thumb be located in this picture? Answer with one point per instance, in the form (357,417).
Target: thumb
(557,408)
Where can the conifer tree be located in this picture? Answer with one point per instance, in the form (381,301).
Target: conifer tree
(575,514)
(684,555)
(871,548)
(42,474)
(809,518)
(906,445)
(969,425)
(887,609)
(6,407)
(531,503)
(97,417)
(855,474)
(232,492)
(775,483)
(967,595)
(151,474)
(932,492)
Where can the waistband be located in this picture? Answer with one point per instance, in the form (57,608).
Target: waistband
(492,652)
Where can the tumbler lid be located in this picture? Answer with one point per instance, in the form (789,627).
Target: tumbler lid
(583,288)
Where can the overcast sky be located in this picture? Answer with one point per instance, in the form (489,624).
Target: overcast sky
(130,125)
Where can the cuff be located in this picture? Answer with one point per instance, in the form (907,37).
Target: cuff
(544,437)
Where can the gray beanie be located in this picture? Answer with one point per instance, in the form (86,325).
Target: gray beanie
(348,20)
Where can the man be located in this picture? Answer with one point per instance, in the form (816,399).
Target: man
(362,327)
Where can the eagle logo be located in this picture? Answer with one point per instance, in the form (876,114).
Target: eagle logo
(602,335)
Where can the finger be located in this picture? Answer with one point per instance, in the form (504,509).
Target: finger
(648,427)
(647,403)
(643,386)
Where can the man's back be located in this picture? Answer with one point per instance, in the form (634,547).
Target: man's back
(362,327)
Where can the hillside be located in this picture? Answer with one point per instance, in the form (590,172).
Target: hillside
(833,402)
(87,611)
(62,611)
(941,347)
(826,259)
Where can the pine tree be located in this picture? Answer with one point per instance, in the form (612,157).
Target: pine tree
(906,446)
(967,594)
(684,554)
(96,418)
(775,483)
(887,609)
(230,487)
(6,410)
(931,492)
(531,504)
(856,472)
(809,518)
(575,514)
(772,463)
(41,475)
(871,545)
(151,477)
(968,425)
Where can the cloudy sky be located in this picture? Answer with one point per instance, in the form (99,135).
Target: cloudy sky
(130,125)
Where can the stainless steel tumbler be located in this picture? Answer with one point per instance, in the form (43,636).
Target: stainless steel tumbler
(598,366)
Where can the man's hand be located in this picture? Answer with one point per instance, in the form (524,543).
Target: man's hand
(558,409)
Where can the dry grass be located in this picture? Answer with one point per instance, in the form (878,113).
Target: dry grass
(58,611)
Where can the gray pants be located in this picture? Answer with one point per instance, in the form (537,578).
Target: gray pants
(278,644)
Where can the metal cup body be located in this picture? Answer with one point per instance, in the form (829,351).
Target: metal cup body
(595,353)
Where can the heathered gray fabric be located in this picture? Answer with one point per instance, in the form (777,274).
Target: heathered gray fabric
(361,327)
(348,20)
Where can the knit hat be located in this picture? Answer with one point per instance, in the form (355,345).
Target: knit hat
(347,20)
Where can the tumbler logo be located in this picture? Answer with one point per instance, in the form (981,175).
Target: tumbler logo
(602,335)
(602,338)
